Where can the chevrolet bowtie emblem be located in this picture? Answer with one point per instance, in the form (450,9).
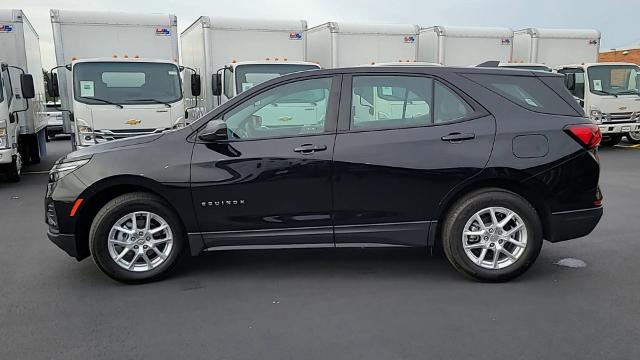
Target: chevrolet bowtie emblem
(622,108)
(133,122)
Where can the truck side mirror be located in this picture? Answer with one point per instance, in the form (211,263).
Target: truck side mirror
(52,85)
(196,87)
(26,85)
(216,84)
(570,81)
(215,130)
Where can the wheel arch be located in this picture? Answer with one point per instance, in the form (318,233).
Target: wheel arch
(103,191)
(533,196)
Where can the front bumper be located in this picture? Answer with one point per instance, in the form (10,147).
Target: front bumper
(6,156)
(618,128)
(66,242)
(567,225)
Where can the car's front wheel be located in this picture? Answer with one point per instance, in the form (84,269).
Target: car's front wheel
(492,235)
(136,238)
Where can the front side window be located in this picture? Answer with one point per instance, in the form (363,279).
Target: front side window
(614,79)
(1,90)
(126,83)
(380,102)
(293,109)
(250,75)
(7,86)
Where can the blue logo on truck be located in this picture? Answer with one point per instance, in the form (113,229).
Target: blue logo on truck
(6,28)
(295,36)
(163,32)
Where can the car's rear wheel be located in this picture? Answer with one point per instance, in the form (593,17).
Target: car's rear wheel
(634,137)
(136,238)
(492,235)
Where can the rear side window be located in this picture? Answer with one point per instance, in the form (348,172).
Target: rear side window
(527,91)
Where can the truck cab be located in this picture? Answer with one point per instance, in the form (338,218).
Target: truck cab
(237,77)
(610,95)
(11,152)
(114,98)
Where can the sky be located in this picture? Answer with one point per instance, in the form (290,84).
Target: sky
(616,19)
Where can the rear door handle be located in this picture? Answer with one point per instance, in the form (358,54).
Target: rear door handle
(458,137)
(310,148)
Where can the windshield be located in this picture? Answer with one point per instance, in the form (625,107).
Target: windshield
(248,76)
(531,67)
(614,79)
(126,83)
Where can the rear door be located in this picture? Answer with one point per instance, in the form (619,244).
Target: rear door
(404,142)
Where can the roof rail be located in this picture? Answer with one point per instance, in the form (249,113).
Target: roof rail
(491,63)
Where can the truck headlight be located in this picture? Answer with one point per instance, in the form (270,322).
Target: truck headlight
(596,115)
(62,169)
(86,136)
(4,143)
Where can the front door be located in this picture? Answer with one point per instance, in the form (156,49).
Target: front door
(407,142)
(270,182)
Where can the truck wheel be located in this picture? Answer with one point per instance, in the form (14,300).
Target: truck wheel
(15,169)
(492,235)
(611,140)
(634,137)
(136,238)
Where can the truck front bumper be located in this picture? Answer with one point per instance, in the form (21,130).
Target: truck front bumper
(618,128)
(7,155)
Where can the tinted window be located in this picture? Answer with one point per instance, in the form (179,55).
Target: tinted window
(292,109)
(527,91)
(448,105)
(391,102)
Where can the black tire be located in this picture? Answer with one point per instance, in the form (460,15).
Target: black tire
(13,172)
(632,140)
(469,205)
(611,140)
(119,207)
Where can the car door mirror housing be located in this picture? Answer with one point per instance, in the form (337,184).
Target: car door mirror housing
(216,84)
(214,130)
(196,87)
(26,85)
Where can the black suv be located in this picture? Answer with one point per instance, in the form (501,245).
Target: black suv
(483,163)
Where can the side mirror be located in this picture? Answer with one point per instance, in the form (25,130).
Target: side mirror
(215,130)
(216,84)
(26,85)
(570,81)
(196,87)
(52,85)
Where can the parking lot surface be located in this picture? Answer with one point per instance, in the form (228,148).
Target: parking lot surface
(382,303)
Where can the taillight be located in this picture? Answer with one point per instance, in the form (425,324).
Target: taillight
(588,135)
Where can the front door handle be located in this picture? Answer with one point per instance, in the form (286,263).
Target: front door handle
(458,137)
(310,148)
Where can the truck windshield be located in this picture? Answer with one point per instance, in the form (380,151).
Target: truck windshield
(250,75)
(614,79)
(126,83)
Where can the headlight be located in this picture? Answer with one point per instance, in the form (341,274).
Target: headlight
(596,115)
(3,138)
(86,136)
(62,169)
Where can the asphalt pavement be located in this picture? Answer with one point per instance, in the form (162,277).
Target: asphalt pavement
(395,303)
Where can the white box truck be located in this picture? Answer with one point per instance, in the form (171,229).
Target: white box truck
(22,115)
(340,44)
(464,46)
(610,95)
(117,74)
(556,47)
(233,55)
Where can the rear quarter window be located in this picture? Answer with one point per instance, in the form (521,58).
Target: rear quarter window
(528,92)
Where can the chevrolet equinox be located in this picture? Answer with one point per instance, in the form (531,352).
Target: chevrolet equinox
(482,163)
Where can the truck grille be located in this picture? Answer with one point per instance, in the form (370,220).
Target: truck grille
(622,117)
(108,135)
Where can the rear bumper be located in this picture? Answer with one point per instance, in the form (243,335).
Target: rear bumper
(65,242)
(619,128)
(569,225)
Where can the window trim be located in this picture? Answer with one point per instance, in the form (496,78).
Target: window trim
(331,116)
(344,117)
